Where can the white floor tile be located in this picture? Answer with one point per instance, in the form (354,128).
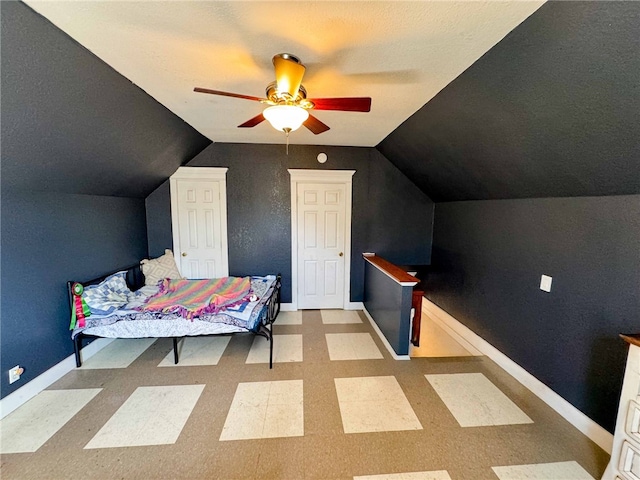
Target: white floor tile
(150,416)
(289,318)
(543,471)
(374,404)
(194,351)
(119,354)
(265,410)
(474,401)
(286,348)
(31,425)
(352,346)
(436,475)
(340,316)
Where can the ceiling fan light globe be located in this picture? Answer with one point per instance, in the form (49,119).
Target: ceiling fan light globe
(286,117)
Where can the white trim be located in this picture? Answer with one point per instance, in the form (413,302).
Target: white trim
(591,429)
(287,307)
(354,306)
(25,393)
(384,339)
(321,176)
(205,174)
(404,284)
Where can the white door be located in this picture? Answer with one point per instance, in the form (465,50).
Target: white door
(199,220)
(321,245)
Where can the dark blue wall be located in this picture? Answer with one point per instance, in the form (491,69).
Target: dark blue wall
(389,304)
(390,215)
(488,257)
(550,111)
(72,129)
(48,239)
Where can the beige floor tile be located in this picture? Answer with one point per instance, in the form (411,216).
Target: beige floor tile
(31,425)
(340,316)
(289,318)
(286,348)
(265,410)
(543,471)
(374,404)
(437,475)
(118,354)
(197,351)
(352,346)
(150,416)
(474,401)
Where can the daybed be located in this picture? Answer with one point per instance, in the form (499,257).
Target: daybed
(256,313)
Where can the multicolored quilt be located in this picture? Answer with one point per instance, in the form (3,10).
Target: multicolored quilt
(192,298)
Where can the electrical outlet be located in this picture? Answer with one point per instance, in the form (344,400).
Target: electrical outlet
(545,283)
(14,373)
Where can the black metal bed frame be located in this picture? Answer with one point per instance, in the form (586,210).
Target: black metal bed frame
(135,280)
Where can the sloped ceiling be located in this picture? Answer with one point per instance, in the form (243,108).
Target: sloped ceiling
(553,110)
(71,124)
(399,53)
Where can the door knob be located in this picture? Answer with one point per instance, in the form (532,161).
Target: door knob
(340,254)
(184,254)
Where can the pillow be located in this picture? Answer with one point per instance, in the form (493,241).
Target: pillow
(160,268)
(109,295)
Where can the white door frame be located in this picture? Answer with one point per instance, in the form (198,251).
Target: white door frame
(320,176)
(208,174)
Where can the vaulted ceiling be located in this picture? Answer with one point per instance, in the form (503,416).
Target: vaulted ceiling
(553,110)
(471,100)
(399,53)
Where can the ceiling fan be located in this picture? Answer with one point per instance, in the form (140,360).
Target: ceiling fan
(287,99)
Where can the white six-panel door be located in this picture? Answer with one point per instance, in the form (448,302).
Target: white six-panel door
(321,238)
(199,221)
(321,211)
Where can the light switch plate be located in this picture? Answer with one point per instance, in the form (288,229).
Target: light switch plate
(545,283)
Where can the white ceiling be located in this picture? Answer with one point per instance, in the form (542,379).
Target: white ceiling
(401,54)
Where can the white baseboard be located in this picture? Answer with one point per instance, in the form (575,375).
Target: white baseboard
(25,393)
(292,307)
(383,338)
(591,429)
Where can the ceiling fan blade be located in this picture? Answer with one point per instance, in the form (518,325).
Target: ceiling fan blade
(227,94)
(253,121)
(345,104)
(289,72)
(315,125)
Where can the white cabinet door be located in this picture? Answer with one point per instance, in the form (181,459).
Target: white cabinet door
(321,245)
(199,221)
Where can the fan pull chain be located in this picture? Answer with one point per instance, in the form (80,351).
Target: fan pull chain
(287,131)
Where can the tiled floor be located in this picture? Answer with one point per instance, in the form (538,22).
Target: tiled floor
(197,351)
(352,346)
(475,401)
(374,404)
(335,406)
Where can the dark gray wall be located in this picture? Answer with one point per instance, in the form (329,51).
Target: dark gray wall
(72,124)
(390,215)
(72,129)
(551,111)
(48,239)
(488,257)
(389,304)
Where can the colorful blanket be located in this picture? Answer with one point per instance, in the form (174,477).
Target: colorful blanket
(191,298)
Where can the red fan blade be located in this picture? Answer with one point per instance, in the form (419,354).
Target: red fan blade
(252,122)
(315,125)
(227,94)
(347,104)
